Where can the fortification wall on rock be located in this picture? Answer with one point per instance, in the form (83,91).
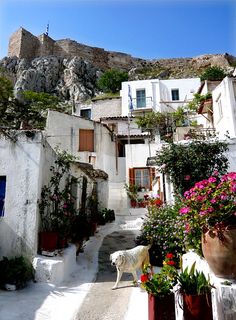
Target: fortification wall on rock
(23,44)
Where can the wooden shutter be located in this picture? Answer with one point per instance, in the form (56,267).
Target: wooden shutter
(152,172)
(86,140)
(131,176)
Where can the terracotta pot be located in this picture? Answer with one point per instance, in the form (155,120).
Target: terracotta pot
(219,250)
(133,203)
(161,308)
(197,307)
(48,241)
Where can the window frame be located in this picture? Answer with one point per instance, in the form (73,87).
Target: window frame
(140,101)
(151,171)
(173,92)
(2,195)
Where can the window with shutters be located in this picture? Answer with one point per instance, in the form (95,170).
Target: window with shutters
(2,194)
(86,140)
(142,177)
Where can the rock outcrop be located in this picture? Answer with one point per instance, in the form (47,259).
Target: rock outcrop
(74,79)
(70,79)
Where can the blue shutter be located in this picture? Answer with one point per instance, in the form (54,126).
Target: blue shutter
(2,194)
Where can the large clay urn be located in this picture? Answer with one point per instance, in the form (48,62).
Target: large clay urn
(219,250)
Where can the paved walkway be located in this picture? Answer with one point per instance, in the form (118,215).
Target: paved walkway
(44,301)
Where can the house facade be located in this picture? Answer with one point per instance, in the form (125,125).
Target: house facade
(24,167)
(224,107)
(157,95)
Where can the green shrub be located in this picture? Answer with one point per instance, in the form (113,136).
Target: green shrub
(213,74)
(189,163)
(162,229)
(111,80)
(15,271)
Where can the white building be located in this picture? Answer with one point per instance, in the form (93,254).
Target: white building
(224,107)
(157,95)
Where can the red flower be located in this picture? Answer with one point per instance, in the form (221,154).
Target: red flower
(144,278)
(169,255)
(170,263)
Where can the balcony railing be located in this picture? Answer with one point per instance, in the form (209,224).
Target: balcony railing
(142,104)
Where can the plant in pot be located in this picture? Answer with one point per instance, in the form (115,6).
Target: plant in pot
(159,286)
(195,290)
(209,214)
(56,205)
(161,228)
(15,272)
(132,192)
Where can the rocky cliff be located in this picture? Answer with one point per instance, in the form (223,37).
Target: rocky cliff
(74,79)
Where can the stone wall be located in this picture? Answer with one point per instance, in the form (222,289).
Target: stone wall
(23,44)
(106,108)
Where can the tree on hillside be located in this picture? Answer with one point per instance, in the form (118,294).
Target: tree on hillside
(213,74)
(111,80)
(31,109)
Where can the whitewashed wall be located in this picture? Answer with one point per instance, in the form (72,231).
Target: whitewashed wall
(26,169)
(158,91)
(224,108)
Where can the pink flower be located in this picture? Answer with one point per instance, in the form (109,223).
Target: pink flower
(212,179)
(184,210)
(187,178)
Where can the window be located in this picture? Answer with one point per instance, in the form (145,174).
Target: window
(141,98)
(85,113)
(86,140)
(175,94)
(142,177)
(2,194)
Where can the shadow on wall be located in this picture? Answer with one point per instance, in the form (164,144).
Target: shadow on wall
(11,244)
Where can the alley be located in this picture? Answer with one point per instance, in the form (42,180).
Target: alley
(103,303)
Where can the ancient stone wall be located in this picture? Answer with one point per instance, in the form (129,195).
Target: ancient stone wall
(23,44)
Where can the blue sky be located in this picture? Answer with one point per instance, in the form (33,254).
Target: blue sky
(142,28)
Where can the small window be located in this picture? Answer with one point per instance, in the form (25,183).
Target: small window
(141,98)
(142,177)
(85,113)
(2,195)
(175,94)
(86,140)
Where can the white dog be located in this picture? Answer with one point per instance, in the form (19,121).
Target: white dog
(129,261)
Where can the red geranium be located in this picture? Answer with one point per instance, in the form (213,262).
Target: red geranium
(169,255)
(144,278)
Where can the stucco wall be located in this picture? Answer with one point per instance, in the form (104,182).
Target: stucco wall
(224,116)
(63,131)
(158,92)
(20,162)
(106,108)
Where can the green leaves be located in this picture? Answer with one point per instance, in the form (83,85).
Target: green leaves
(188,163)
(111,80)
(194,282)
(213,74)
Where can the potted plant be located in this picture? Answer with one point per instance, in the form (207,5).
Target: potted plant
(15,272)
(159,286)
(195,290)
(161,228)
(56,206)
(132,192)
(208,212)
